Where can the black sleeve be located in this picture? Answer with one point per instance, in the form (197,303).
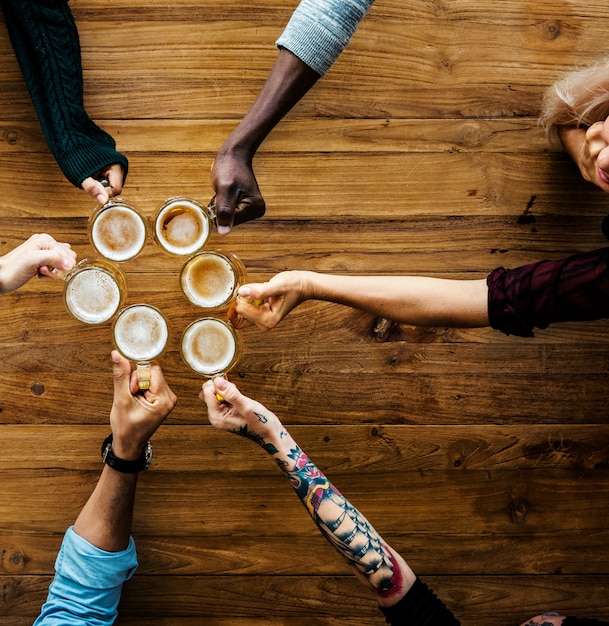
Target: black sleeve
(46,42)
(419,607)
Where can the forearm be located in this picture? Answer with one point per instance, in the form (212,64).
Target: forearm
(416,300)
(374,562)
(290,79)
(105,520)
(46,43)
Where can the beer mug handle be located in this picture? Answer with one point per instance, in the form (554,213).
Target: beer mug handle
(143,375)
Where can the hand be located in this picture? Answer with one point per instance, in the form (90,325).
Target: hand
(238,198)
(266,304)
(135,416)
(239,414)
(114,175)
(33,258)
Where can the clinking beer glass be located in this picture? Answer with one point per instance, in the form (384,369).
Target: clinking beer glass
(140,333)
(210,279)
(118,230)
(94,290)
(210,347)
(182,226)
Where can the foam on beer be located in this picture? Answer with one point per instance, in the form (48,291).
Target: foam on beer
(181,228)
(140,333)
(208,280)
(209,346)
(92,295)
(118,233)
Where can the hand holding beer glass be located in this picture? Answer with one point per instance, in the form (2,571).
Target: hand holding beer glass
(140,334)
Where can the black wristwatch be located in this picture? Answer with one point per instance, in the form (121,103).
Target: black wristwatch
(120,465)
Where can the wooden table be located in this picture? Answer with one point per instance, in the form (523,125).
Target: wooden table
(482,458)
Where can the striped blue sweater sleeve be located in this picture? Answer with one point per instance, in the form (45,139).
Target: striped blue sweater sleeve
(319,30)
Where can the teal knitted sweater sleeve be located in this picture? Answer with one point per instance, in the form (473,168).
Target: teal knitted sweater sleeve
(46,42)
(319,30)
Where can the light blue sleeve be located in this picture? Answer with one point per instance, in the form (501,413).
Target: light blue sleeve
(87,584)
(319,30)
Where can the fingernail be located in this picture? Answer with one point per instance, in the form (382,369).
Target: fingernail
(246,292)
(223,230)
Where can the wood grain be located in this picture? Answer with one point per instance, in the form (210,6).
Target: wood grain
(482,458)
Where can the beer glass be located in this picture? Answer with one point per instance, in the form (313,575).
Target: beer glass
(210,280)
(93,290)
(182,226)
(210,347)
(140,334)
(118,230)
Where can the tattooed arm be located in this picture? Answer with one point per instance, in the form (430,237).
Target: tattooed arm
(373,561)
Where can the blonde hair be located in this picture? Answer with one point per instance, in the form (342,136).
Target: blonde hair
(579,98)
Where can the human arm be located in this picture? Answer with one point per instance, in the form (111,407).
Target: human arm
(378,566)
(45,40)
(34,257)
(105,520)
(315,36)
(98,553)
(416,300)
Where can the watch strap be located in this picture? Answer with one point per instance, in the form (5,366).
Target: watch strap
(120,465)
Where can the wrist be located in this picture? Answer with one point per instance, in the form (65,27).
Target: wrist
(111,457)
(127,449)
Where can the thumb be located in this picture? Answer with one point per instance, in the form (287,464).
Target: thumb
(226,391)
(225,214)
(121,375)
(258,292)
(95,189)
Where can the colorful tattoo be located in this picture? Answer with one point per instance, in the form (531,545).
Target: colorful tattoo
(342,524)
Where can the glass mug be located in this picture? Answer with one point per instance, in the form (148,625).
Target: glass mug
(118,230)
(210,280)
(140,333)
(210,347)
(93,291)
(182,226)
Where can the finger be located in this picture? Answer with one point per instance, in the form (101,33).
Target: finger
(121,375)
(225,214)
(115,175)
(96,190)
(55,258)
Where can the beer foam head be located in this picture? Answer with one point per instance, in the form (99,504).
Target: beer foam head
(140,332)
(209,347)
(118,233)
(181,227)
(92,295)
(209,280)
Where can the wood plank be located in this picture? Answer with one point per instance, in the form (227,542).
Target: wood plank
(363,186)
(492,604)
(511,502)
(340,449)
(165,555)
